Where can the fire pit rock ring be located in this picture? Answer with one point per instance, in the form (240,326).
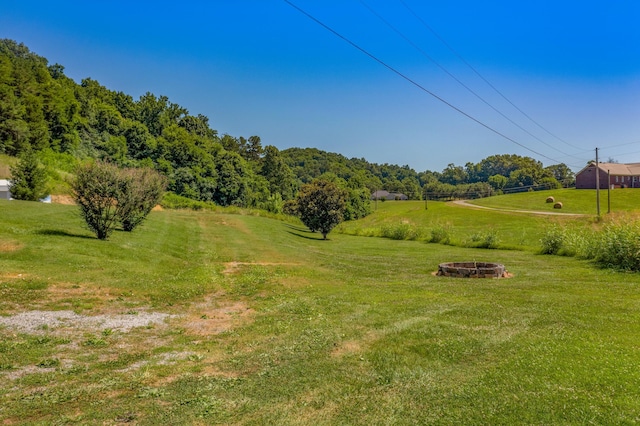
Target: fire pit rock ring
(472,270)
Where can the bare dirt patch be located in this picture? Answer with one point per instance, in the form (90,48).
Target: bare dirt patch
(13,276)
(60,292)
(346,348)
(215,317)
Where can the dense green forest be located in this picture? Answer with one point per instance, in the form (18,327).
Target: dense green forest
(43,110)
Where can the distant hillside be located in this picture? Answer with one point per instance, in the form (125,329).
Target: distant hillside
(66,122)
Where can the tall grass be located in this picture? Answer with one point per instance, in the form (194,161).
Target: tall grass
(616,244)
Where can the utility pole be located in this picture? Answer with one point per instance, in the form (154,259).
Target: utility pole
(597,183)
(608,191)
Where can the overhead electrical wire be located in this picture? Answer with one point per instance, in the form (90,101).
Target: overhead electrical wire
(416,84)
(426,55)
(622,144)
(428,27)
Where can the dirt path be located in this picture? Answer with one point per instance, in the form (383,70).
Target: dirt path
(465,203)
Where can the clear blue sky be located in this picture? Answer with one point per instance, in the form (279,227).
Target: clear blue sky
(260,67)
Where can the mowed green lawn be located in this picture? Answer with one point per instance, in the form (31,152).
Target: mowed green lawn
(272,325)
(582,201)
(463,224)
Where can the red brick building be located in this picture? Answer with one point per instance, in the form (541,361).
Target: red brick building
(622,176)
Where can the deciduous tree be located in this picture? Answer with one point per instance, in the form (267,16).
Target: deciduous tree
(141,191)
(321,206)
(96,190)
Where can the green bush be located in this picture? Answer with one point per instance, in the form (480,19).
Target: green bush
(619,247)
(28,178)
(108,195)
(400,231)
(488,239)
(171,200)
(440,234)
(141,191)
(616,246)
(552,241)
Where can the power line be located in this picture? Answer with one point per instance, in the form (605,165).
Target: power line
(426,55)
(622,144)
(480,75)
(389,67)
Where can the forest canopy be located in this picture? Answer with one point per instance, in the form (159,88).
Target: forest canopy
(43,110)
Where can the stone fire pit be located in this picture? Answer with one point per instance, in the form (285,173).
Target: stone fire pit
(471,270)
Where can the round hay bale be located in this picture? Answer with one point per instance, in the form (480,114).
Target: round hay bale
(551,200)
(557,205)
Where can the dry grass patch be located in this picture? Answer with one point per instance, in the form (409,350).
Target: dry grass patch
(10,246)
(347,348)
(63,199)
(216,316)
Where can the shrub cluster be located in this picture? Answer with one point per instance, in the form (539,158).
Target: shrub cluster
(401,231)
(440,234)
(108,196)
(485,239)
(616,245)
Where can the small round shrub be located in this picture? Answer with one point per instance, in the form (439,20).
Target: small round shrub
(552,241)
(440,234)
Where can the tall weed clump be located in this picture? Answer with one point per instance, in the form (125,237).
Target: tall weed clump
(619,247)
(616,245)
(553,240)
(441,234)
(485,239)
(401,231)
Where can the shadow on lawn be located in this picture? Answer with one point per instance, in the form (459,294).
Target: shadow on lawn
(313,236)
(62,233)
(299,230)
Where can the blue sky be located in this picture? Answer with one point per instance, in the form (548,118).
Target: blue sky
(261,67)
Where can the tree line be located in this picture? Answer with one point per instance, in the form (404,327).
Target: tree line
(66,123)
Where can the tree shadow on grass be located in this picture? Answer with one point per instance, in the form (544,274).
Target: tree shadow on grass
(298,228)
(313,236)
(62,233)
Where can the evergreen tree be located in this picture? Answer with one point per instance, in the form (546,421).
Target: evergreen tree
(28,178)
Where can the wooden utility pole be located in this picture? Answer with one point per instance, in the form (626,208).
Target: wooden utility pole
(597,183)
(608,191)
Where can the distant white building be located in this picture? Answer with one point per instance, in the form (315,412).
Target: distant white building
(5,194)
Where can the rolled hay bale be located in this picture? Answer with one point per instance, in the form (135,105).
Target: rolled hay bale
(558,205)
(551,200)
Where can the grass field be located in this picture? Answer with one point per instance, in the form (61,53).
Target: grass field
(581,201)
(271,325)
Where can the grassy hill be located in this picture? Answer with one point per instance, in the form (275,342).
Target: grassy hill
(514,221)
(582,201)
(271,325)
